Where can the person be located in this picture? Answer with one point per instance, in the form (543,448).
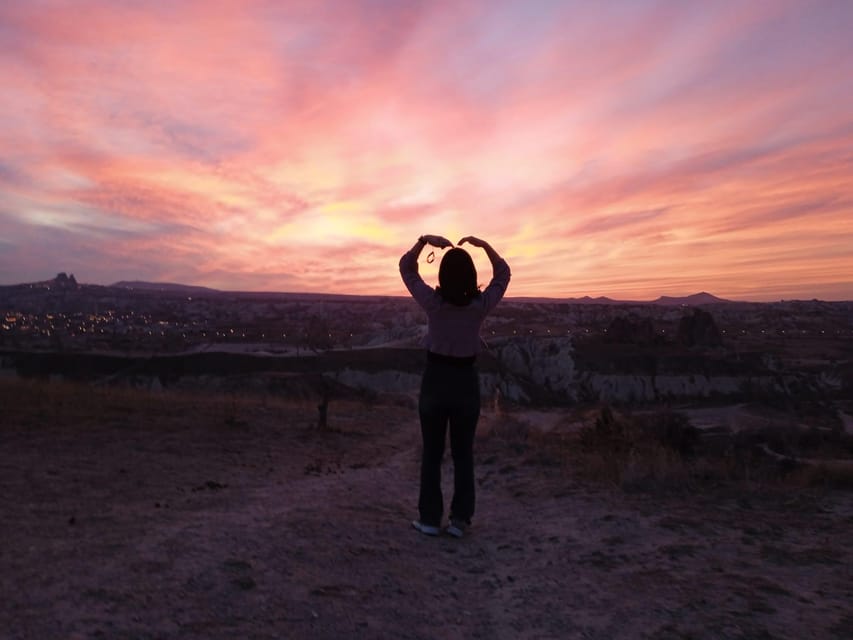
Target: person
(450,386)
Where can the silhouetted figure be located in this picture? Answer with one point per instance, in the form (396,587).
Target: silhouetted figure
(450,387)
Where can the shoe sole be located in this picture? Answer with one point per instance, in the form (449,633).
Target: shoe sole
(425,529)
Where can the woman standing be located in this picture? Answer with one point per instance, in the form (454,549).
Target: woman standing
(450,388)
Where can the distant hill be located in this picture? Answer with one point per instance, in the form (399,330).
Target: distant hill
(695,299)
(583,300)
(172,287)
(598,300)
(62,282)
(691,300)
(162,286)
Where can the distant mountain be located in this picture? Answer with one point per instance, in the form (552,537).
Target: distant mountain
(692,300)
(695,299)
(598,300)
(583,300)
(162,286)
(173,287)
(62,282)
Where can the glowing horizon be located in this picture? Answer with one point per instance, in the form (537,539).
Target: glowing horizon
(628,150)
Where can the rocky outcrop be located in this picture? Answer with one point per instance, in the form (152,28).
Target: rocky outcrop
(630,330)
(65,282)
(526,370)
(699,330)
(628,388)
(388,381)
(545,361)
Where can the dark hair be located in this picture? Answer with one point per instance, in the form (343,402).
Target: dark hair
(457,277)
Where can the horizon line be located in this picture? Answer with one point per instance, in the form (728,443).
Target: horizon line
(165,285)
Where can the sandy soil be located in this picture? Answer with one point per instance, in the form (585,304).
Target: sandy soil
(175,518)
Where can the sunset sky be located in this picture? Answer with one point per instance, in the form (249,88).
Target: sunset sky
(621,148)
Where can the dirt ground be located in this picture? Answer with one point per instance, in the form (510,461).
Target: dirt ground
(131,516)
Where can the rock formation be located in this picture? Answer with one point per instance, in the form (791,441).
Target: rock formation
(63,281)
(699,330)
(631,330)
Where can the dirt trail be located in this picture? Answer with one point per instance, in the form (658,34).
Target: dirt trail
(266,528)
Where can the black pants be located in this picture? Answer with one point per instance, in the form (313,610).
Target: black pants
(450,395)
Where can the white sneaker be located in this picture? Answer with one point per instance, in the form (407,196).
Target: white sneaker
(456,529)
(426,529)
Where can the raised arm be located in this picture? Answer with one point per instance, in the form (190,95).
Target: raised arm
(500,272)
(420,290)
(485,246)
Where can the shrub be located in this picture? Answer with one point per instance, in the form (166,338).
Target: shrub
(636,450)
(670,429)
(625,433)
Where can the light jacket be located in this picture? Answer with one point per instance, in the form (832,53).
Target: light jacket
(453,330)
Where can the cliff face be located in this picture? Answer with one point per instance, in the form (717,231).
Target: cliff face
(699,330)
(553,371)
(546,363)
(533,371)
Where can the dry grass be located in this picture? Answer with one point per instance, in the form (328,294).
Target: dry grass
(651,451)
(661,451)
(66,404)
